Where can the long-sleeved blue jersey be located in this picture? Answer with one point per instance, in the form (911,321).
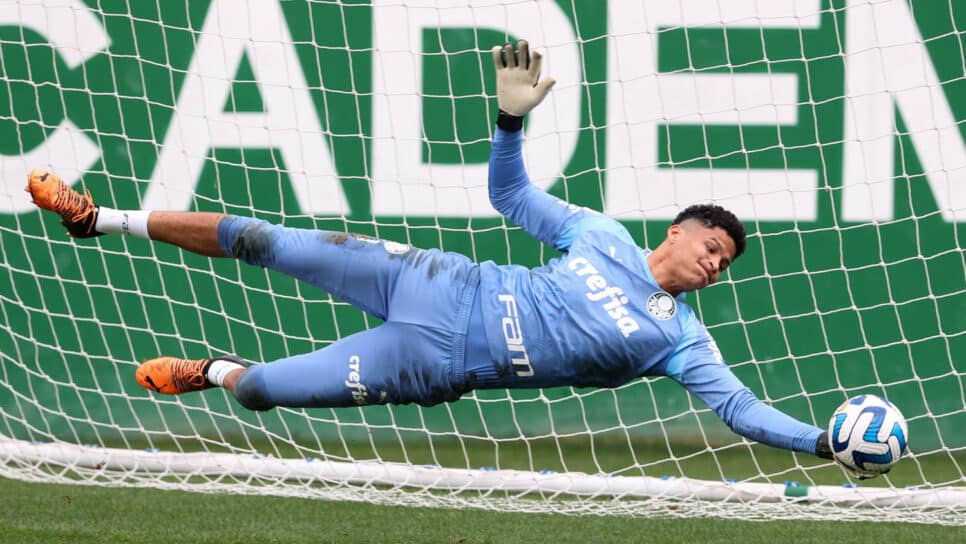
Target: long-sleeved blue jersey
(593,317)
(596,316)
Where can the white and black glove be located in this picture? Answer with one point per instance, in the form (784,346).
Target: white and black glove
(518,85)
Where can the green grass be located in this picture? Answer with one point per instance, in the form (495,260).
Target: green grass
(80,514)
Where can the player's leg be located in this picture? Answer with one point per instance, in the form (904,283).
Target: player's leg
(193,231)
(358,269)
(394,363)
(389,280)
(196,232)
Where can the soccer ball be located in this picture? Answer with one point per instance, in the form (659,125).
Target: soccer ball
(868,435)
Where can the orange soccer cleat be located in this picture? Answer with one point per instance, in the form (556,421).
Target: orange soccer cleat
(173,376)
(78,211)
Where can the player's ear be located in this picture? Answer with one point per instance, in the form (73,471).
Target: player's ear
(673,232)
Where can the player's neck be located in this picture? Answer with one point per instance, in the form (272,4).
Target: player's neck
(660,267)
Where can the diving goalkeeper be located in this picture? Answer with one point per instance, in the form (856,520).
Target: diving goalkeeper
(602,314)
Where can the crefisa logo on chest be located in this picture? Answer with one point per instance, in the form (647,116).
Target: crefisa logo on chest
(662,305)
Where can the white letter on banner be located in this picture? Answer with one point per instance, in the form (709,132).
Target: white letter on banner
(640,101)
(77,35)
(290,123)
(887,66)
(402,184)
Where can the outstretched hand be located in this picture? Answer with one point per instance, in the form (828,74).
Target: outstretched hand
(518,85)
(822,447)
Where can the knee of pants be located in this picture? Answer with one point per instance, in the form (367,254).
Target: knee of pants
(250,390)
(251,240)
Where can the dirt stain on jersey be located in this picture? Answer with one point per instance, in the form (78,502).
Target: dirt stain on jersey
(335,237)
(253,244)
(435,261)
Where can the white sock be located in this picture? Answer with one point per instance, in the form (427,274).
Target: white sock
(133,222)
(220,368)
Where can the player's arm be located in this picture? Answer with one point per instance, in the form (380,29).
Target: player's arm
(544,216)
(519,90)
(698,366)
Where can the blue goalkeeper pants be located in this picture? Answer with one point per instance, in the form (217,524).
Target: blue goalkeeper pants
(424,297)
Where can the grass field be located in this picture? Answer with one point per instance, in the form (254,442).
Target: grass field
(79,514)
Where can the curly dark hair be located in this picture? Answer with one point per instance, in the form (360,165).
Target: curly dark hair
(712,215)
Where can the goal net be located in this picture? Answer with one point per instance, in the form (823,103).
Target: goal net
(832,128)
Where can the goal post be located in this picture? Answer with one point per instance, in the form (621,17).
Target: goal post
(833,129)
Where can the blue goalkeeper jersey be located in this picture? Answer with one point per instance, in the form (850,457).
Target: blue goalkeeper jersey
(596,316)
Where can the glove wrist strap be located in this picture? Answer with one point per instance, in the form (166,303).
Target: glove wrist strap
(509,123)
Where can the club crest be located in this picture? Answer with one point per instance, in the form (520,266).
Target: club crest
(662,305)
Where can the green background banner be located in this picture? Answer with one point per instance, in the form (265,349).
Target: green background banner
(818,310)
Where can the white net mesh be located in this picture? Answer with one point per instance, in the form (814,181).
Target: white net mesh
(833,129)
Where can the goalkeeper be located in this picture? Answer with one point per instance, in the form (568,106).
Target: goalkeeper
(602,314)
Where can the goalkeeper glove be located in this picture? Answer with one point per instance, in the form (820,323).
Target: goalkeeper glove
(518,85)
(824,450)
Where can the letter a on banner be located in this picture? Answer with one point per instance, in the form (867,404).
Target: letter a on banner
(289,123)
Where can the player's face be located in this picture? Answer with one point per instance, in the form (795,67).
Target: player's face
(701,254)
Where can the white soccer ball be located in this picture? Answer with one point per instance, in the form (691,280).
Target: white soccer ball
(868,435)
